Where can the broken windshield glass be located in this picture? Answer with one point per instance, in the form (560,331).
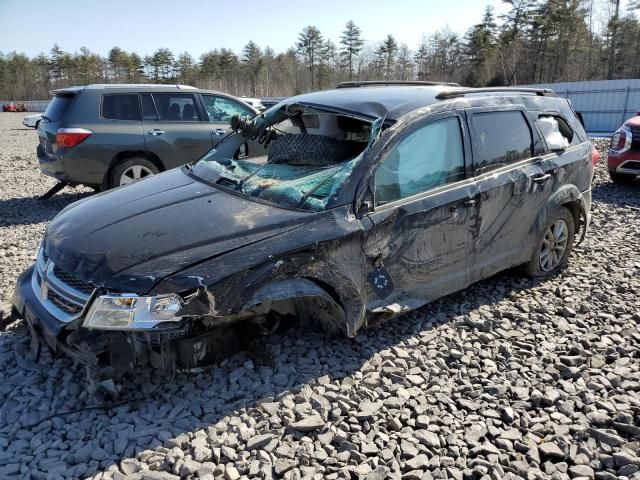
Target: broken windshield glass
(296,156)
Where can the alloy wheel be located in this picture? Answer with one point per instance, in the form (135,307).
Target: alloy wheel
(134,173)
(554,244)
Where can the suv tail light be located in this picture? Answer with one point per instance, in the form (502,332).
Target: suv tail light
(595,155)
(70,137)
(621,140)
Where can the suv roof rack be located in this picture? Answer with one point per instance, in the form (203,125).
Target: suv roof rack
(381,83)
(542,92)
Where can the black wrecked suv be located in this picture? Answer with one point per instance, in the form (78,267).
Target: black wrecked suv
(110,135)
(338,208)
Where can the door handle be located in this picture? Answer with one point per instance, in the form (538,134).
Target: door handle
(219,131)
(155,132)
(541,178)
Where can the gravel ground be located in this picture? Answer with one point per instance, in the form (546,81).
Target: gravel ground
(511,378)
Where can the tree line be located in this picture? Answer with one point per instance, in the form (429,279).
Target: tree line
(536,41)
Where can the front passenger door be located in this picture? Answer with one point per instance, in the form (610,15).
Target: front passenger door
(174,129)
(420,241)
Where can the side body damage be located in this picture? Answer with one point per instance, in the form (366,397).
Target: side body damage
(342,262)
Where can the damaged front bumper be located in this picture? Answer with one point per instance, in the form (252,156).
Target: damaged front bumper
(111,354)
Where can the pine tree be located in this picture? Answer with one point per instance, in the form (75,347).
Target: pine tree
(310,44)
(253,60)
(351,42)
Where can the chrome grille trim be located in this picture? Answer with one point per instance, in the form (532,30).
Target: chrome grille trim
(60,299)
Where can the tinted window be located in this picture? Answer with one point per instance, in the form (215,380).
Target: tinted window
(176,107)
(121,107)
(148,108)
(427,158)
(57,106)
(221,109)
(500,138)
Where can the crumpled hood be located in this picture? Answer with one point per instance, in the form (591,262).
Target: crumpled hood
(130,238)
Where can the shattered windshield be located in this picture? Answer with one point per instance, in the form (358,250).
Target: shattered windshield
(292,155)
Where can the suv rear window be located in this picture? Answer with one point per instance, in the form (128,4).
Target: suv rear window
(57,106)
(121,107)
(501,138)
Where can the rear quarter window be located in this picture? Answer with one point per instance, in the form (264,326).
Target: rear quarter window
(57,107)
(121,107)
(500,138)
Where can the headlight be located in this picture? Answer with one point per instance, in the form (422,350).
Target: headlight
(131,312)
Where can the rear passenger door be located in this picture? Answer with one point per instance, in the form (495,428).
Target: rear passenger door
(174,127)
(514,180)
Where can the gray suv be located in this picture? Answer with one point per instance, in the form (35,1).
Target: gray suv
(105,136)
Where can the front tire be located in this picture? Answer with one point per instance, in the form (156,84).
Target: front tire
(132,170)
(554,245)
(622,178)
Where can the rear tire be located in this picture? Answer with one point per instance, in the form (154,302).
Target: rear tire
(132,170)
(622,178)
(554,245)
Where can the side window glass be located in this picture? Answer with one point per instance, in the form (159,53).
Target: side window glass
(426,158)
(557,132)
(221,109)
(176,107)
(121,107)
(500,138)
(148,108)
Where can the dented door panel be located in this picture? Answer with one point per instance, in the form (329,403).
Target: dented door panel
(421,249)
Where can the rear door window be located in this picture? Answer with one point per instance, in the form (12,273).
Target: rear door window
(176,107)
(148,108)
(556,131)
(121,107)
(57,106)
(500,138)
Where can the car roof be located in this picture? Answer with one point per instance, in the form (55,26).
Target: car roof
(389,101)
(137,87)
(394,101)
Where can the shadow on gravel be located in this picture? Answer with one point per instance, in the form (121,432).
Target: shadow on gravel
(29,210)
(48,398)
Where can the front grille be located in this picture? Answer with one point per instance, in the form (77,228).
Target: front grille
(61,294)
(63,304)
(73,282)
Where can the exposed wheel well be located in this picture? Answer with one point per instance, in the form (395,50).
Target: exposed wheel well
(120,157)
(574,208)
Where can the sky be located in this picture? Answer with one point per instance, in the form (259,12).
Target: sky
(198,26)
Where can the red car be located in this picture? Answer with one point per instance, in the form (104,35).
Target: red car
(10,107)
(624,153)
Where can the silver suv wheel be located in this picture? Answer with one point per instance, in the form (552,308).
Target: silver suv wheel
(554,245)
(134,173)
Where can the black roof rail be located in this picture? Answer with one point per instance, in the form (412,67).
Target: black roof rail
(381,83)
(542,92)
